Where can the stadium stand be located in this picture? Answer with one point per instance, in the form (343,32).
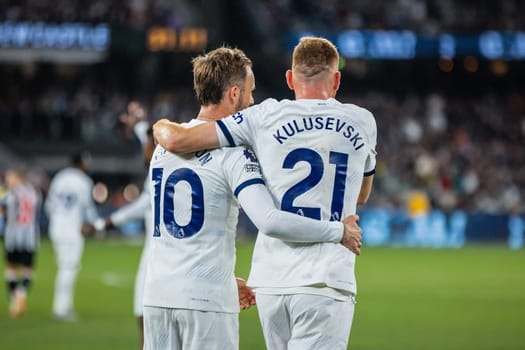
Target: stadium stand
(458,132)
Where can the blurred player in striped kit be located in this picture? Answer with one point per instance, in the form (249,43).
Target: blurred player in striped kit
(21,208)
(68,205)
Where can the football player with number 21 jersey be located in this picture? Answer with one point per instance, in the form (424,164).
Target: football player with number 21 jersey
(318,160)
(191,296)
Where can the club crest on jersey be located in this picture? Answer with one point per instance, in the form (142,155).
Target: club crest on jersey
(248,153)
(251,167)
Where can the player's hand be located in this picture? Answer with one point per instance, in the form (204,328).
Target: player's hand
(246,294)
(158,129)
(103,224)
(352,236)
(87,229)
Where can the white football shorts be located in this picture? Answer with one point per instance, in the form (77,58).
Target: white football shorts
(305,321)
(140,281)
(183,329)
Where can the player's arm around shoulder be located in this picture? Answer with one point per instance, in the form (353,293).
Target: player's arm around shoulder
(177,138)
(244,127)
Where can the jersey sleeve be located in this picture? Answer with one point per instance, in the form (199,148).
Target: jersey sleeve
(244,177)
(370,165)
(10,204)
(241,127)
(132,211)
(260,208)
(39,207)
(90,211)
(50,201)
(241,169)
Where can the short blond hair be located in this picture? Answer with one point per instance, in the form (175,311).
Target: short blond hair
(313,56)
(19,171)
(217,71)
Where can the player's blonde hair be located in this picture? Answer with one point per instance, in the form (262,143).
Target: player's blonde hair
(217,71)
(14,176)
(313,56)
(18,171)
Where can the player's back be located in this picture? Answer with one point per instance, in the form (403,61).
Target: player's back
(314,154)
(195,215)
(68,199)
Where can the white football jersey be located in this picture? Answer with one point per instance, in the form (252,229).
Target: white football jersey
(192,256)
(313,154)
(69,203)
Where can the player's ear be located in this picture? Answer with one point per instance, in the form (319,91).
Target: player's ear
(289,79)
(337,80)
(234,93)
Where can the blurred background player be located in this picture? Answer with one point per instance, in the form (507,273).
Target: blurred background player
(69,203)
(136,120)
(318,158)
(190,298)
(21,208)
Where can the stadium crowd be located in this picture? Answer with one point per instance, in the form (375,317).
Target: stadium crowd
(465,150)
(423,16)
(80,109)
(137,13)
(460,148)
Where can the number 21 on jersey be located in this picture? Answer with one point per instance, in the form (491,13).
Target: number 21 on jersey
(340,160)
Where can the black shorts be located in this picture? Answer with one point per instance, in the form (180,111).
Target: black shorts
(20,257)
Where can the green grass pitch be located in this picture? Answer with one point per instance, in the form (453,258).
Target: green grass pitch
(471,298)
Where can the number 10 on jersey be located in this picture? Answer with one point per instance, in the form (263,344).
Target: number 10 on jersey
(168,198)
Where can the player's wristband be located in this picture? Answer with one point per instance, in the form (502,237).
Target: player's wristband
(99,224)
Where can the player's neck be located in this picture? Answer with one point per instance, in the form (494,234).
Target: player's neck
(312,92)
(213,112)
